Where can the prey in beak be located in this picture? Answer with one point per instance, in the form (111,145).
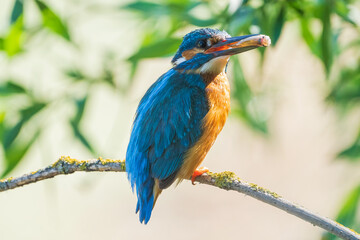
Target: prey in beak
(220,52)
(210,54)
(235,45)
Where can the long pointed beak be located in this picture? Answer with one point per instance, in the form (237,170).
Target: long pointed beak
(235,45)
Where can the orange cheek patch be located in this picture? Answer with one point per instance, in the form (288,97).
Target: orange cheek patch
(189,54)
(216,49)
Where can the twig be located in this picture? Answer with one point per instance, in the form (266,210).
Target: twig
(225,180)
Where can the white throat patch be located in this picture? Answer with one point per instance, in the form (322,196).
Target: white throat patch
(179,60)
(216,65)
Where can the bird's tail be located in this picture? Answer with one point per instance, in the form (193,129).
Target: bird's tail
(146,199)
(147,188)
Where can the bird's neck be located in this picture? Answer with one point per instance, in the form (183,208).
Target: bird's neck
(209,77)
(212,69)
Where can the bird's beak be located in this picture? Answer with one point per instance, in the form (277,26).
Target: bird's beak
(235,45)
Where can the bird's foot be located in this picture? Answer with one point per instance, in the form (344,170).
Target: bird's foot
(198,172)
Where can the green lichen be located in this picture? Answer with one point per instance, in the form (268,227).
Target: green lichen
(224,179)
(66,164)
(123,165)
(55,164)
(109,161)
(66,160)
(263,190)
(83,166)
(9,179)
(102,161)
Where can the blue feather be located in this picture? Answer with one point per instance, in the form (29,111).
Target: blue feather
(167,124)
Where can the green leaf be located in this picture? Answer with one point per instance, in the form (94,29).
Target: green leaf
(342,9)
(162,48)
(278,26)
(75,124)
(242,98)
(108,77)
(352,153)
(80,107)
(249,119)
(326,36)
(347,214)
(52,21)
(298,6)
(10,88)
(14,40)
(147,8)
(346,94)
(200,22)
(10,133)
(29,112)
(346,91)
(262,20)
(75,74)
(176,11)
(309,38)
(241,89)
(81,137)
(241,20)
(15,148)
(17,11)
(348,211)
(15,154)
(133,68)
(2,118)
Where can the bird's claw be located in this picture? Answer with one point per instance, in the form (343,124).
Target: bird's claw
(198,172)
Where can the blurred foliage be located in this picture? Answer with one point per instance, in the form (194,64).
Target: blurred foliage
(51,21)
(20,126)
(346,90)
(161,25)
(241,101)
(75,124)
(348,215)
(15,147)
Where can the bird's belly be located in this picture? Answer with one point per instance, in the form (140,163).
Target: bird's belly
(218,94)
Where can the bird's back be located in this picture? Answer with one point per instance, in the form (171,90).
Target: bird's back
(167,124)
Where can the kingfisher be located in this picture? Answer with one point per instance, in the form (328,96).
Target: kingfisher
(182,113)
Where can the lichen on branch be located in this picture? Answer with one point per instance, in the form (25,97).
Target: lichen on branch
(65,165)
(224,180)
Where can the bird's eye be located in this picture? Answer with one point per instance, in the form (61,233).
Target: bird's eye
(202,43)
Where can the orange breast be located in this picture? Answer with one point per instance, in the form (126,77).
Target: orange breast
(218,93)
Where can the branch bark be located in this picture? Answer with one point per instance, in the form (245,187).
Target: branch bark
(225,180)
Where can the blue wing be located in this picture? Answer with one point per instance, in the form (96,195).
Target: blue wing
(168,122)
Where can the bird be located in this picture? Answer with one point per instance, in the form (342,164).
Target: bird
(182,113)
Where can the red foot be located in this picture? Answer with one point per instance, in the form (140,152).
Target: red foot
(198,172)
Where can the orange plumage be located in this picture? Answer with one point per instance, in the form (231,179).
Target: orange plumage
(218,94)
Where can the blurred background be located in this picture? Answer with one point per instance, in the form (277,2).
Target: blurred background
(73,71)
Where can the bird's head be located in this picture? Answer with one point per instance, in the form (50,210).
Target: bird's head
(208,50)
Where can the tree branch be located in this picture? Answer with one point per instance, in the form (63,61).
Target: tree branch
(225,180)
